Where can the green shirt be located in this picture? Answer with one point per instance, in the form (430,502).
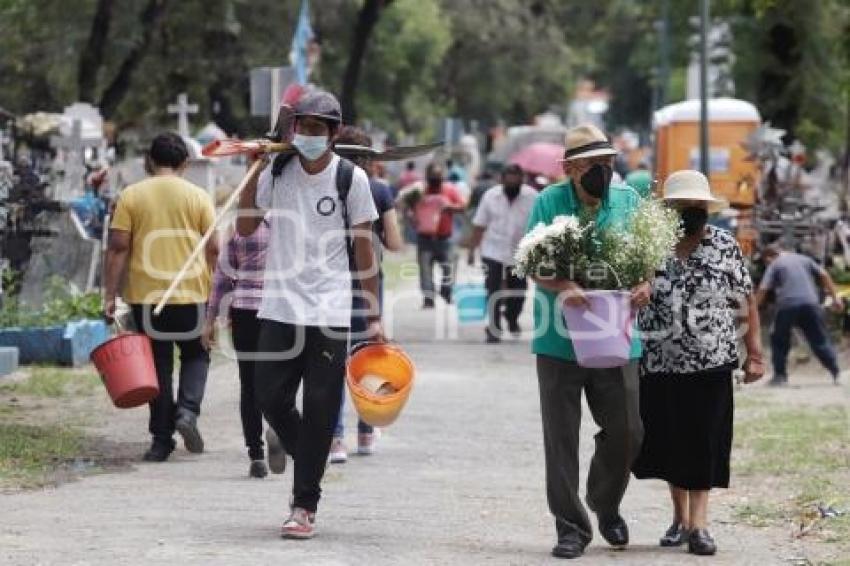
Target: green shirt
(550,332)
(641,181)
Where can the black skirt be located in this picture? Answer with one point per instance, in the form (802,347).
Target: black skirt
(687,421)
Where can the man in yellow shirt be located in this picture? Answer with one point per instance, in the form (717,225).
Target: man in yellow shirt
(156,225)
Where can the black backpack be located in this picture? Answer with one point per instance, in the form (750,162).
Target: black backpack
(344,175)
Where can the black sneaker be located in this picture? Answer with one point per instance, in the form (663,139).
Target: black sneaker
(569,546)
(676,535)
(514,328)
(701,543)
(490,337)
(187,426)
(158,452)
(615,531)
(258,469)
(427,303)
(778,381)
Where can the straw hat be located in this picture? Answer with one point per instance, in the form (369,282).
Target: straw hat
(586,141)
(692,185)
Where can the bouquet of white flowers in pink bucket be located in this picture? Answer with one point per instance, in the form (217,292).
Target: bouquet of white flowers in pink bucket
(609,262)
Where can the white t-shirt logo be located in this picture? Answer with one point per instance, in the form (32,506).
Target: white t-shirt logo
(326,206)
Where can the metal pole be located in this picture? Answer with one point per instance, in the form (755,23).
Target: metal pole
(664,78)
(703,87)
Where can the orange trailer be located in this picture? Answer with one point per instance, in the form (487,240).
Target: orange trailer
(731,121)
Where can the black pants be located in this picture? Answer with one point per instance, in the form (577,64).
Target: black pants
(246,332)
(505,293)
(809,318)
(176,325)
(317,356)
(612,395)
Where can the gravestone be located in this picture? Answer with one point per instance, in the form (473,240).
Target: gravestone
(4,141)
(182,108)
(69,165)
(69,254)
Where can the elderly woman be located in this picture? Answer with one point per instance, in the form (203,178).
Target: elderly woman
(690,330)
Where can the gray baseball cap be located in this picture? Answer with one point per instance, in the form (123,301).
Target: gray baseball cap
(319,103)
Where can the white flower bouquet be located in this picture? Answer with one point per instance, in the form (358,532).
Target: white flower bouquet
(615,258)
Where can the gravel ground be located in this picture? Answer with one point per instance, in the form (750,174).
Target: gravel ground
(457,480)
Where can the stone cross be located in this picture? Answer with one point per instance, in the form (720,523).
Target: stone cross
(73,150)
(183,109)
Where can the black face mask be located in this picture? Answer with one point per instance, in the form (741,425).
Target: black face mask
(512,191)
(596,180)
(693,219)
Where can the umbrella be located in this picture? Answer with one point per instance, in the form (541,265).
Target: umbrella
(541,158)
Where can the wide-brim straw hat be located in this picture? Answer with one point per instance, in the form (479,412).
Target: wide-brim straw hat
(692,185)
(586,141)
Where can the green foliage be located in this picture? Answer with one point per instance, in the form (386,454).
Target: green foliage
(398,86)
(485,60)
(792,61)
(61,305)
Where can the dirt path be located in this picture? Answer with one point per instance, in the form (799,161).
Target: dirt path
(458,480)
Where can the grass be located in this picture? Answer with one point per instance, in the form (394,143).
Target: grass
(28,454)
(805,452)
(796,441)
(54,382)
(39,432)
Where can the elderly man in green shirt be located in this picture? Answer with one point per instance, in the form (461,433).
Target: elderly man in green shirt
(612,394)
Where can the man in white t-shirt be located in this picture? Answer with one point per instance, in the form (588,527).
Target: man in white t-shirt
(499,224)
(305,314)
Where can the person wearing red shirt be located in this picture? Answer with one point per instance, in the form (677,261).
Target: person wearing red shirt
(433,219)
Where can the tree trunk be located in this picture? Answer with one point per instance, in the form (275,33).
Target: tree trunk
(150,20)
(91,59)
(398,105)
(369,15)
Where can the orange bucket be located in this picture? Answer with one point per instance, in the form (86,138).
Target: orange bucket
(125,364)
(387,363)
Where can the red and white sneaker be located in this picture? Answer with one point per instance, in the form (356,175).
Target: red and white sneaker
(300,525)
(366,442)
(339,452)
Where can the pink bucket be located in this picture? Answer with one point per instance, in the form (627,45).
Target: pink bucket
(601,334)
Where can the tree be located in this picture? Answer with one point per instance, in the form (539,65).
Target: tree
(150,21)
(367,18)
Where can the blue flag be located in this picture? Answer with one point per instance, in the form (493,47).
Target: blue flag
(300,44)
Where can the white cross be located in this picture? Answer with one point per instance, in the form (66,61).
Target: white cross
(73,150)
(183,109)
(75,143)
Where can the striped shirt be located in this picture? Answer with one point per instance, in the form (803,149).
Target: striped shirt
(240,271)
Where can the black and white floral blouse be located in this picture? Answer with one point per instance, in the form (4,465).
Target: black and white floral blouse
(692,321)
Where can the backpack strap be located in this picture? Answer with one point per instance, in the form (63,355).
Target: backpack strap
(280,162)
(344,176)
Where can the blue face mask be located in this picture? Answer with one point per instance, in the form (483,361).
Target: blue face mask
(311,147)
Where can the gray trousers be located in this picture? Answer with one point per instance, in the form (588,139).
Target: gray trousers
(612,395)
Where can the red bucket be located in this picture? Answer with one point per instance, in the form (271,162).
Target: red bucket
(126,366)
